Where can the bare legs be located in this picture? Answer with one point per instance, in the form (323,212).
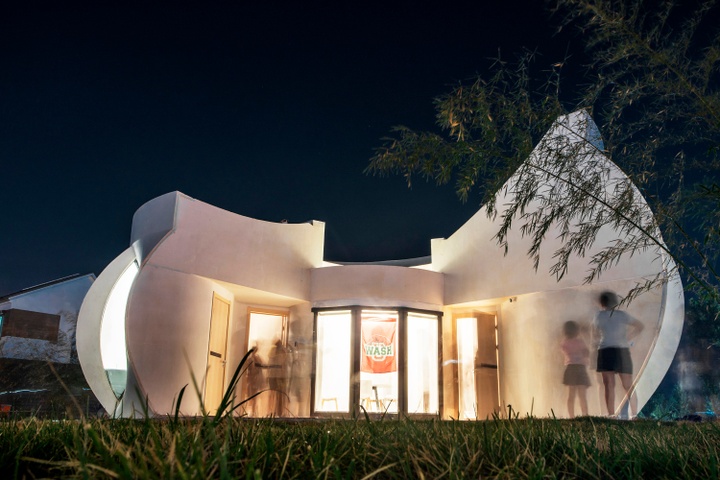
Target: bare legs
(608,379)
(626,380)
(581,393)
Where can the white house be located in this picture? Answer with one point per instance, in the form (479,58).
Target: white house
(37,347)
(465,333)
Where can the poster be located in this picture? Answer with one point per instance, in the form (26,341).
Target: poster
(379,345)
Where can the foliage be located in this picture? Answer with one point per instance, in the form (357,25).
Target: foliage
(702,324)
(240,448)
(652,87)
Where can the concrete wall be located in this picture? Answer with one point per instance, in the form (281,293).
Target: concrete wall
(209,250)
(377,285)
(477,271)
(168,329)
(217,244)
(531,362)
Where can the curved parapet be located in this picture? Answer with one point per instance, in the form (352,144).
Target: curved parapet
(152,222)
(214,243)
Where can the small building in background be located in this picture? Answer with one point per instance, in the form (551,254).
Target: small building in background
(39,369)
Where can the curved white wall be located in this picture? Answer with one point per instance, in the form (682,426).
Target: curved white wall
(477,271)
(168,328)
(90,325)
(377,285)
(217,244)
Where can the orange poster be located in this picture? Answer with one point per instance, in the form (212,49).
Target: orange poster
(378,346)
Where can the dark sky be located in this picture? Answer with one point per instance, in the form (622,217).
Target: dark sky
(265,109)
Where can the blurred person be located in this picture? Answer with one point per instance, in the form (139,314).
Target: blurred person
(613,330)
(577,355)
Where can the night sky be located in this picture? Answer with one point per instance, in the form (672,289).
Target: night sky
(267,110)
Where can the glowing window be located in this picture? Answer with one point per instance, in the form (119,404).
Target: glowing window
(332,381)
(379,361)
(422,361)
(112,332)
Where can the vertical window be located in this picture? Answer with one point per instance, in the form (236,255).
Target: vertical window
(332,380)
(379,361)
(112,331)
(422,364)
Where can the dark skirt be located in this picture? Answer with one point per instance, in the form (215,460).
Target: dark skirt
(614,359)
(576,376)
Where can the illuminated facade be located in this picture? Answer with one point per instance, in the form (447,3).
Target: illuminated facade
(465,333)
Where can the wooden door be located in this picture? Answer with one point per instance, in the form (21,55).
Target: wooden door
(486,369)
(217,353)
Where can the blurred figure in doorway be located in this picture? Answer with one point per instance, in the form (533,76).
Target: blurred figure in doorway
(278,378)
(255,383)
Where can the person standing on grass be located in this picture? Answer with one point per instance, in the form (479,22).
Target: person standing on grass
(577,355)
(613,330)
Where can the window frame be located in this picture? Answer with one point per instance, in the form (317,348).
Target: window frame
(355,350)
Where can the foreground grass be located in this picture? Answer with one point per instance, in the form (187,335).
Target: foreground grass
(240,448)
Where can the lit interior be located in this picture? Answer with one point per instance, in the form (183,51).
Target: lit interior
(467,346)
(422,360)
(265,330)
(332,384)
(112,331)
(379,391)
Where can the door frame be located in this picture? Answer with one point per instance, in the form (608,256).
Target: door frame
(474,313)
(217,297)
(355,352)
(285,327)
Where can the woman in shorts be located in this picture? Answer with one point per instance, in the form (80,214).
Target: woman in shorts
(613,329)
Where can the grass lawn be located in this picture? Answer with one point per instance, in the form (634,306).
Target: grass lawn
(241,448)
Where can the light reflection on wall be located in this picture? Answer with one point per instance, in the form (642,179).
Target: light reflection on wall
(332,384)
(422,356)
(112,333)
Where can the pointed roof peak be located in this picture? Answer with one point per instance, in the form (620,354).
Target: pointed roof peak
(579,124)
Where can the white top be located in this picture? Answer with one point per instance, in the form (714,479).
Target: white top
(612,326)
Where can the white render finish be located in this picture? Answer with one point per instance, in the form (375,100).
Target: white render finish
(189,250)
(377,285)
(90,324)
(476,270)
